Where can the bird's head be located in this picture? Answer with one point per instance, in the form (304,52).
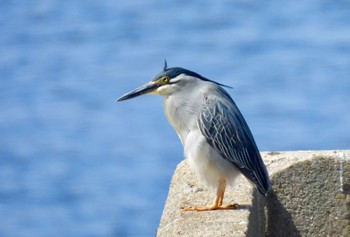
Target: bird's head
(166,82)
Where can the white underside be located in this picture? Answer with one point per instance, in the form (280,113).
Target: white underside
(206,162)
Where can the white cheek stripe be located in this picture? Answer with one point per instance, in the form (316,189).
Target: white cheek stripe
(178,78)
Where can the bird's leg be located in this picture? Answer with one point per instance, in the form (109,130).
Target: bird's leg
(217,205)
(220,193)
(220,197)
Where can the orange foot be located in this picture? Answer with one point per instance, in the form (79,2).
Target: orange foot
(211,208)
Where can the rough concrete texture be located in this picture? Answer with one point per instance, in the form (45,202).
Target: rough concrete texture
(185,191)
(311,193)
(310,197)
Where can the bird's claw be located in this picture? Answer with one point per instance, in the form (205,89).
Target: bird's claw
(212,208)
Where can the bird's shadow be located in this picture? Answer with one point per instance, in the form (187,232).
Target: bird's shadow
(279,220)
(276,220)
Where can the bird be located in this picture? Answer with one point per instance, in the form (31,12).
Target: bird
(218,144)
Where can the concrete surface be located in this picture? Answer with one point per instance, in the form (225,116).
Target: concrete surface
(310,193)
(185,191)
(310,197)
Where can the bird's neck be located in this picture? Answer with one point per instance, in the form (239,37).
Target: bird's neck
(180,114)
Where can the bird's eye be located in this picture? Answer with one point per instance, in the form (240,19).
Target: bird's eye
(165,79)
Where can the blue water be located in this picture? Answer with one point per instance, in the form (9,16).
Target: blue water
(75,163)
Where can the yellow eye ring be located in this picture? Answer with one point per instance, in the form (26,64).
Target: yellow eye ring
(165,79)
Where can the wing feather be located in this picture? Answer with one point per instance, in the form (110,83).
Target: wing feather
(225,129)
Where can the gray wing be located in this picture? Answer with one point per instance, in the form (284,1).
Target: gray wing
(224,127)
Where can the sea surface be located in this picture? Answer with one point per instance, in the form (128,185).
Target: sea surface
(75,163)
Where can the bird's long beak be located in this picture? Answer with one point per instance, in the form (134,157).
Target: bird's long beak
(145,89)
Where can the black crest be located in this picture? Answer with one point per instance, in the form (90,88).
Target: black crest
(165,65)
(175,71)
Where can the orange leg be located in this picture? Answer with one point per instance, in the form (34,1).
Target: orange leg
(217,204)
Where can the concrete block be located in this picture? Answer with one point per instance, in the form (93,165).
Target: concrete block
(185,191)
(310,197)
(310,194)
